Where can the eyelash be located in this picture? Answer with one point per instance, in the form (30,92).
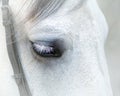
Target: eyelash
(46,49)
(42,49)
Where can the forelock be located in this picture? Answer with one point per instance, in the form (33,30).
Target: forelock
(44,8)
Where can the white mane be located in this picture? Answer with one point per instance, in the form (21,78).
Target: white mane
(33,9)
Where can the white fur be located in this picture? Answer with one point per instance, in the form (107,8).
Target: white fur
(82,70)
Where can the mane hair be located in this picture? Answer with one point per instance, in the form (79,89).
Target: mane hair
(44,8)
(34,9)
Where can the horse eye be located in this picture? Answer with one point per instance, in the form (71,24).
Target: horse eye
(46,49)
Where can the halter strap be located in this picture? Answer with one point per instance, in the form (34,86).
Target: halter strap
(12,50)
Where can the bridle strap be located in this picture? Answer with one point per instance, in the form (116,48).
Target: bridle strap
(13,50)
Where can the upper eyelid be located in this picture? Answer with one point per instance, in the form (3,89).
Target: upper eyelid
(46,36)
(52,26)
(66,40)
(52,30)
(47,30)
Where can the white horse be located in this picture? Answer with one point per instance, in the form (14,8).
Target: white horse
(61,47)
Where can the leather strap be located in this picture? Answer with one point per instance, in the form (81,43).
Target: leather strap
(12,50)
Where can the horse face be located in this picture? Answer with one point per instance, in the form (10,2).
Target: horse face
(79,69)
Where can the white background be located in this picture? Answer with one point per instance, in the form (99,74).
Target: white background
(111,9)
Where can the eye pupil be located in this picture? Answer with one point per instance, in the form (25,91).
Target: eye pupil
(46,49)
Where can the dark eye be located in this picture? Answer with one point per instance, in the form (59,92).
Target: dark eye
(46,49)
